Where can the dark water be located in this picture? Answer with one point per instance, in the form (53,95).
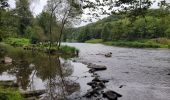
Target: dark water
(58,75)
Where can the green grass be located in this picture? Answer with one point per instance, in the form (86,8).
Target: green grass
(10,94)
(136,44)
(17,41)
(144,43)
(23,42)
(94,41)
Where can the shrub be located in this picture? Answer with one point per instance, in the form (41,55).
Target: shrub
(68,49)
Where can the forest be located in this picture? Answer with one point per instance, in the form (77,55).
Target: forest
(154,24)
(20,22)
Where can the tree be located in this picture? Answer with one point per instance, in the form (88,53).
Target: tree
(3,4)
(43,20)
(106,32)
(65,11)
(7,18)
(24,15)
(85,35)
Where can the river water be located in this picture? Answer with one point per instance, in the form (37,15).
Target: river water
(143,73)
(137,74)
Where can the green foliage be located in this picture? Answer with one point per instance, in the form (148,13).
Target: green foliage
(24,14)
(144,43)
(17,41)
(118,27)
(68,50)
(44,21)
(10,94)
(37,35)
(85,35)
(167,32)
(106,32)
(7,25)
(136,44)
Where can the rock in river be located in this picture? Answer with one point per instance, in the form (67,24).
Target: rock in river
(108,54)
(7,60)
(111,95)
(97,67)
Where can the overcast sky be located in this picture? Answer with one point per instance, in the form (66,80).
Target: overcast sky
(37,7)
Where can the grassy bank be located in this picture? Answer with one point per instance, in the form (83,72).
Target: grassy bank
(25,43)
(94,41)
(17,41)
(145,43)
(10,94)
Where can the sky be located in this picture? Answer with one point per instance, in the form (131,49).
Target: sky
(38,5)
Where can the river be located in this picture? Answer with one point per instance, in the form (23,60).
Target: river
(143,73)
(137,74)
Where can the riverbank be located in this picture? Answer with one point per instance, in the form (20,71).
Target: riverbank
(10,94)
(145,43)
(43,46)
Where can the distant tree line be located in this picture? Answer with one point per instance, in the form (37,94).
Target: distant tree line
(155,24)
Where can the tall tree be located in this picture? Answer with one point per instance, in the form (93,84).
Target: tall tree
(24,15)
(65,11)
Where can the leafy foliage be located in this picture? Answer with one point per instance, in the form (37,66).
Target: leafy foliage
(118,27)
(10,94)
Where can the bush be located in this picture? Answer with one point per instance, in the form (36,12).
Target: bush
(169,46)
(68,50)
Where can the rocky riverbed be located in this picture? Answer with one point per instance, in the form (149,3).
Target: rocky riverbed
(137,74)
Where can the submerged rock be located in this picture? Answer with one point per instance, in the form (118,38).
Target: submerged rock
(97,79)
(97,67)
(111,95)
(108,54)
(7,60)
(92,92)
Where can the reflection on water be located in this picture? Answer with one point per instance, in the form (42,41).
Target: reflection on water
(37,71)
